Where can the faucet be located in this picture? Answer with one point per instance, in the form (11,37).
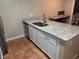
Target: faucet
(44,19)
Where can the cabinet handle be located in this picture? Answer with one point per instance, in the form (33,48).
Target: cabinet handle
(43,36)
(54,43)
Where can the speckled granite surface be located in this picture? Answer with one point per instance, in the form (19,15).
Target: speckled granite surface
(60,30)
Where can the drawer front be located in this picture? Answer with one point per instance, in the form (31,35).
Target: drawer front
(52,40)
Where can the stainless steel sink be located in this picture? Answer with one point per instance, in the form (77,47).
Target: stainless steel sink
(41,24)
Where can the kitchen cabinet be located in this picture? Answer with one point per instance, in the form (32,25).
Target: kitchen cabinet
(26,30)
(45,43)
(51,49)
(51,38)
(31,33)
(36,36)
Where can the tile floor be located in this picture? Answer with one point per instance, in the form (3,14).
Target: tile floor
(22,48)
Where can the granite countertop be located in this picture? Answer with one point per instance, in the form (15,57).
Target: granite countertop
(60,30)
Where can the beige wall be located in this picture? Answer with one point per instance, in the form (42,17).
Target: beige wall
(69,5)
(12,11)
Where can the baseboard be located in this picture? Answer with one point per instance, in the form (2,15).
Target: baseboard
(13,38)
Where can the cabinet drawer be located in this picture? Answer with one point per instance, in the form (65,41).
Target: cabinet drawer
(51,39)
(52,42)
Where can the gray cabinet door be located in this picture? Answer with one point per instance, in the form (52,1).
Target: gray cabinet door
(51,49)
(26,29)
(31,33)
(42,41)
(36,35)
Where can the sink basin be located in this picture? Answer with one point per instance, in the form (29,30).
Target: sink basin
(41,24)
